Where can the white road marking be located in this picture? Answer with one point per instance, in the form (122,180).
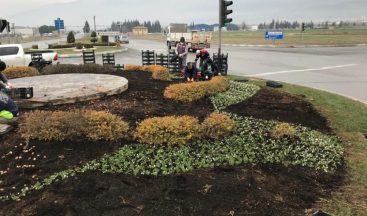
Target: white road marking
(303,70)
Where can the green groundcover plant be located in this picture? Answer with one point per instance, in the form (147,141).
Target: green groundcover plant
(251,142)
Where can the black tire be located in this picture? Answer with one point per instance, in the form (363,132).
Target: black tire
(169,45)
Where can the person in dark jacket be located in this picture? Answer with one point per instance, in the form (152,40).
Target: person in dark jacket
(202,55)
(8,109)
(190,72)
(181,51)
(4,83)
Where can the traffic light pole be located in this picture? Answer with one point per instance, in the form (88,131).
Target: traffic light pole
(220,29)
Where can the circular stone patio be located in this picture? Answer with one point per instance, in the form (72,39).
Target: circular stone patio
(69,88)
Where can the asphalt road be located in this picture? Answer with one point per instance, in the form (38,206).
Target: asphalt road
(342,70)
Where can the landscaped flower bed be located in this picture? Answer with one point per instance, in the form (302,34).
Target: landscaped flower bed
(205,141)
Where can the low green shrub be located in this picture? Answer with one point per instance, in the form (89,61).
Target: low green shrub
(218,126)
(69,68)
(105,44)
(237,93)
(61,46)
(21,71)
(79,46)
(60,126)
(189,92)
(88,46)
(34,46)
(169,130)
(93,40)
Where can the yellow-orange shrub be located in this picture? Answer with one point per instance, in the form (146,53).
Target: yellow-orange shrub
(19,72)
(105,126)
(189,92)
(282,130)
(61,125)
(158,72)
(218,126)
(52,126)
(131,67)
(171,130)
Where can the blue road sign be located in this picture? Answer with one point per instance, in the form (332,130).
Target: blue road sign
(59,24)
(274,35)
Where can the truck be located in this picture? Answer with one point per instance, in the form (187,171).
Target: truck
(196,40)
(14,55)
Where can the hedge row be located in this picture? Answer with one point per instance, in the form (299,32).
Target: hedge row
(72,45)
(189,92)
(19,72)
(60,126)
(173,130)
(158,72)
(69,68)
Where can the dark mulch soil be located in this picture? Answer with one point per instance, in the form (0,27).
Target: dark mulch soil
(269,190)
(270,104)
(238,191)
(143,99)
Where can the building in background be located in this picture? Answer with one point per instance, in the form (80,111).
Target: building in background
(25,32)
(216,28)
(140,30)
(254,28)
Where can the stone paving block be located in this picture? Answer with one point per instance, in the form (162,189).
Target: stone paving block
(4,129)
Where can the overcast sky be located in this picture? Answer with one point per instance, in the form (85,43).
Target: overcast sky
(75,12)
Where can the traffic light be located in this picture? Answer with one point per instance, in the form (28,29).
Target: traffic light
(224,12)
(4,24)
(303,27)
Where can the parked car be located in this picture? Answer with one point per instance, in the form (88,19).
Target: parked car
(14,55)
(124,39)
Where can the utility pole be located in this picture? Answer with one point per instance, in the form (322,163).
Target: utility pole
(95,27)
(13,27)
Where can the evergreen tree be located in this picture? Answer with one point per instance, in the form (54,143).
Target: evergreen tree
(71,37)
(86,28)
(46,29)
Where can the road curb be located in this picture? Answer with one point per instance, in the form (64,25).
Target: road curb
(98,53)
(290,46)
(320,89)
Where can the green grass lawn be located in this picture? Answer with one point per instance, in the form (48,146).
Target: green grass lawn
(336,37)
(348,118)
(98,49)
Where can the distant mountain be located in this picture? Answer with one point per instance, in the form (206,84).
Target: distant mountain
(206,27)
(203,27)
